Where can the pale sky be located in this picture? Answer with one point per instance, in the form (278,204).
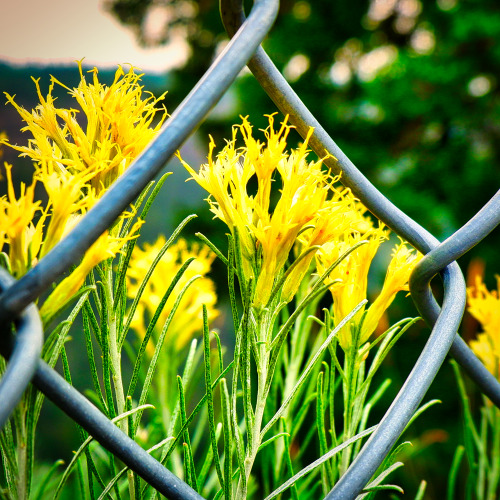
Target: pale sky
(61,31)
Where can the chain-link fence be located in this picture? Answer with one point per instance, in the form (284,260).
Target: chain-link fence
(17,298)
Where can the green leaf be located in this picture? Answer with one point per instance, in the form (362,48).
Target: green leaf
(454,470)
(91,359)
(49,343)
(228,442)
(326,471)
(190,470)
(58,345)
(152,365)
(152,324)
(5,262)
(125,259)
(154,194)
(421,410)
(47,319)
(146,278)
(84,445)
(280,337)
(383,487)
(294,264)
(219,351)
(97,299)
(230,279)
(288,458)
(212,247)
(63,332)
(310,366)
(272,439)
(207,463)
(390,337)
(93,321)
(210,397)
(301,414)
(238,438)
(8,455)
(106,356)
(120,474)
(421,490)
(311,467)
(186,379)
(45,481)
(472,438)
(367,409)
(376,485)
(196,410)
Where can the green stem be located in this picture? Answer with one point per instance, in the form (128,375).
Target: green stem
(349,395)
(115,357)
(22,454)
(254,436)
(494,473)
(253,446)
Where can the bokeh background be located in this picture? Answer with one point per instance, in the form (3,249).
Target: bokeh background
(408,88)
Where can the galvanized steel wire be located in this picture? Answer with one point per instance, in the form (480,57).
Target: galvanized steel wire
(445,320)
(17,296)
(16,301)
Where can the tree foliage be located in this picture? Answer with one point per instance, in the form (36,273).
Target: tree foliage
(406,87)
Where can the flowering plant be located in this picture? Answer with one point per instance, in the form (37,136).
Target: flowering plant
(482,443)
(295,379)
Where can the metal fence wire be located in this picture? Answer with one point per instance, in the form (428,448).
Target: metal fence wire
(23,350)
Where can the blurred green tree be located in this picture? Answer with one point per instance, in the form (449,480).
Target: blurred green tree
(410,91)
(407,88)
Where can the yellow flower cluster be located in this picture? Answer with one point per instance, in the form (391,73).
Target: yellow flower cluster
(117,127)
(17,229)
(75,164)
(309,204)
(485,307)
(349,280)
(311,215)
(189,318)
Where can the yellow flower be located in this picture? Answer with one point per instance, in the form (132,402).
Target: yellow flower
(75,163)
(225,180)
(267,235)
(349,280)
(188,319)
(117,128)
(485,307)
(17,227)
(65,201)
(105,247)
(400,268)
(339,217)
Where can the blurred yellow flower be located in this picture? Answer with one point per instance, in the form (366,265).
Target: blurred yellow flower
(3,140)
(188,319)
(485,307)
